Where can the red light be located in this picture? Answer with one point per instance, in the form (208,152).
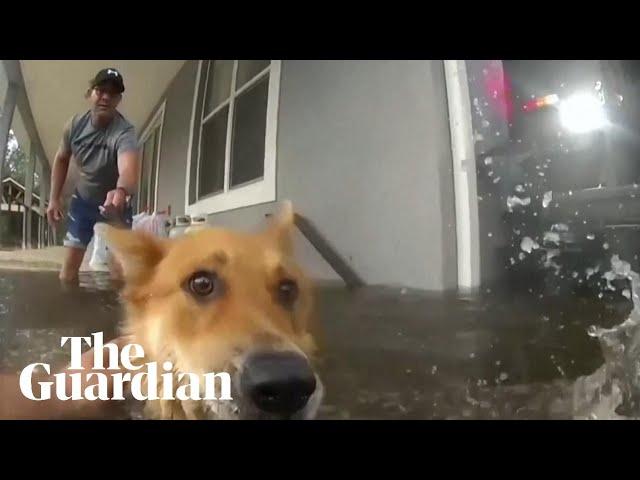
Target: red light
(541,102)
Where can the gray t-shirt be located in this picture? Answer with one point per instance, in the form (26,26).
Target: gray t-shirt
(96,152)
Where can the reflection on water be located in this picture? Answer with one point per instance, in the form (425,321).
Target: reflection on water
(36,310)
(388,353)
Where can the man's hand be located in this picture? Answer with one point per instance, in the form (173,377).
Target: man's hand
(14,405)
(54,212)
(114,204)
(117,198)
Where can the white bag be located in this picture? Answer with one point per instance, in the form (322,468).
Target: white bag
(100,257)
(154,223)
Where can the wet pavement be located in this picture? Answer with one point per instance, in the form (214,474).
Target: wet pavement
(386,353)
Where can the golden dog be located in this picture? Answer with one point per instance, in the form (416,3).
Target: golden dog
(223,301)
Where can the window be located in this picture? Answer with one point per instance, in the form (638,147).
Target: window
(233,135)
(147,197)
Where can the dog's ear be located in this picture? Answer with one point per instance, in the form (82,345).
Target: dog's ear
(281,227)
(136,252)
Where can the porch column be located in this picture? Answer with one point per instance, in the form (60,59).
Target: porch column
(39,170)
(464,174)
(28,197)
(6,117)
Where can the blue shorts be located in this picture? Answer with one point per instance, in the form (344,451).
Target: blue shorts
(82,217)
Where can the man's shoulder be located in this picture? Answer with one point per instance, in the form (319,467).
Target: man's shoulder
(122,124)
(77,119)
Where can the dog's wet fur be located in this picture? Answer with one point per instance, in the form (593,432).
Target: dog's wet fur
(219,300)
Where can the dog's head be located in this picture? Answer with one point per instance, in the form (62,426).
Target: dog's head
(224,301)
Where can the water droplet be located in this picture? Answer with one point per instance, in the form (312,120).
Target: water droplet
(489,234)
(503,376)
(590,236)
(605,245)
(488,161)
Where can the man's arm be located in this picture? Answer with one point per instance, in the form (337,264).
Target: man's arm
(59,175)
(128,165)
(15,406)
(128,170)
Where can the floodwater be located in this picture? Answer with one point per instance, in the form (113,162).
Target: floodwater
(392,353)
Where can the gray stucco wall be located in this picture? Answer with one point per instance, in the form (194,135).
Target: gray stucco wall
(175,139)
(364,152)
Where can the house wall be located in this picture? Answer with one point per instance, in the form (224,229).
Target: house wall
(363,152)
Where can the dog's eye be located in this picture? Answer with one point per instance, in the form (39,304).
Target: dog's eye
(203,284)
(287,292)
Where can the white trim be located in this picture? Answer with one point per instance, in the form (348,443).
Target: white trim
(194,108)
(252,81)
(157,122)
(254,192)
(155,193)
(464,175)
(215,110)
(229,138)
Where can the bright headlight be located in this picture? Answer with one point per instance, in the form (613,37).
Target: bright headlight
(582,113)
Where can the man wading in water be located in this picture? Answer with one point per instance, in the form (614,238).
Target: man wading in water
(104,146)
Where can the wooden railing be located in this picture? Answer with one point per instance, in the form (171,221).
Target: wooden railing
(328,252)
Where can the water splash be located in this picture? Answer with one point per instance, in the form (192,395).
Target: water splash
(551,237)
(527,245)
(613,391)
(512,201)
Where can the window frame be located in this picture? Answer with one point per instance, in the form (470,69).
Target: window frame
(254,192)
(156,123)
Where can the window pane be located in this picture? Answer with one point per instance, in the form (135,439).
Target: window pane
(36,183)
(144,190)
(250,122)
(155,137)
(195,154)
(247,69)
(214,137)
(148,156)
(218,84)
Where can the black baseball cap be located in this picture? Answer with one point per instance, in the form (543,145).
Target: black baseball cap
(111,76)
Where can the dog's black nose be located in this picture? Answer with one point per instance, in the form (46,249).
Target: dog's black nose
(278,382)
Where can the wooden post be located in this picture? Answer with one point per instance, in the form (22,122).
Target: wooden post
(28,196)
